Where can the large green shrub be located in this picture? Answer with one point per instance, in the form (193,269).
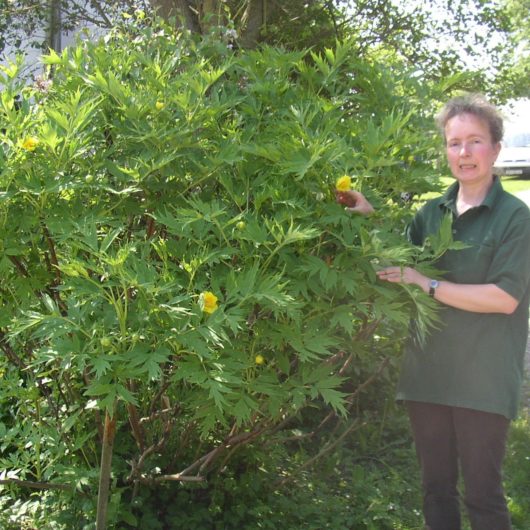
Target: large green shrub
(177,279)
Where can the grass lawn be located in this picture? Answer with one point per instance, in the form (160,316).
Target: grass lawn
(515,185)
(511,184)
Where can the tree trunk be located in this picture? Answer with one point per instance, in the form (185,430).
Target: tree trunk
(252,22)
(181,9)
(55,26)
(201,16)
(211,16)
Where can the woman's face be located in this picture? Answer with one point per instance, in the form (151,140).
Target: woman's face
(470,150)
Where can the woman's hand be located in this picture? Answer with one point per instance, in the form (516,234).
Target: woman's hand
(404,275)
(354,201)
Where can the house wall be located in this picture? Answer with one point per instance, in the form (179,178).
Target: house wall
(33,67)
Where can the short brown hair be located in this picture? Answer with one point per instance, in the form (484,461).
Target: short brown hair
(477,105)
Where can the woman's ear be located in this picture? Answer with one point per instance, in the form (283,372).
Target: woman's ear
(497,149)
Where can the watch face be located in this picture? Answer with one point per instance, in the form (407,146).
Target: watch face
(434,284)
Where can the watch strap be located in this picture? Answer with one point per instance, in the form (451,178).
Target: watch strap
(433,285)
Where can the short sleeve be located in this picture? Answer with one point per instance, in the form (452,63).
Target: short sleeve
(510,266)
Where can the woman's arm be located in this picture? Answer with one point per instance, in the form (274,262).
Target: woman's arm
(480,298)
(477,298)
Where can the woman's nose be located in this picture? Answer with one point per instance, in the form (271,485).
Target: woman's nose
(464,149)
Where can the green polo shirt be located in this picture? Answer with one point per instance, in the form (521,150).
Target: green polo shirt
(475,360)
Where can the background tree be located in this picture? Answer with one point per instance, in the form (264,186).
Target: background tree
(517,70)
(483,39)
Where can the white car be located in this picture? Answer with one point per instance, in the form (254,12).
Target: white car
(514,158)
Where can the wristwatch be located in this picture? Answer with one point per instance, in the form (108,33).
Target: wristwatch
(433,285)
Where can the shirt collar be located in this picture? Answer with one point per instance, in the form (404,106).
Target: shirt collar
(448,199)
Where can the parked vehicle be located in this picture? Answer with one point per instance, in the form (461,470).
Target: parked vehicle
(514,158)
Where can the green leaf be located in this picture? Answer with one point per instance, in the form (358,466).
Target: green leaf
(438,244)
(100,366)
(71,420)
(312,345)
(53,58)
(217,391)
(243,409)
(124,393)
(334,398)
(269,152)
(155,359)
(59,118)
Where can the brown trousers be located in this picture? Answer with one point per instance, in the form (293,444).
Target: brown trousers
(446,437)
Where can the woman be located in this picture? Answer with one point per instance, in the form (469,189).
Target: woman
(461,387)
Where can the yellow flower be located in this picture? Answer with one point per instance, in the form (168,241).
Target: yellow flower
(159,105)
(30,143)
(259,359)
(209,302)
(343,183)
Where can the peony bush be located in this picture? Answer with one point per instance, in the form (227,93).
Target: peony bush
(178,280)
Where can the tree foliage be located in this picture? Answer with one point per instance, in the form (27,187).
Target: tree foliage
(177,279)
(517,71)
(475,36)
